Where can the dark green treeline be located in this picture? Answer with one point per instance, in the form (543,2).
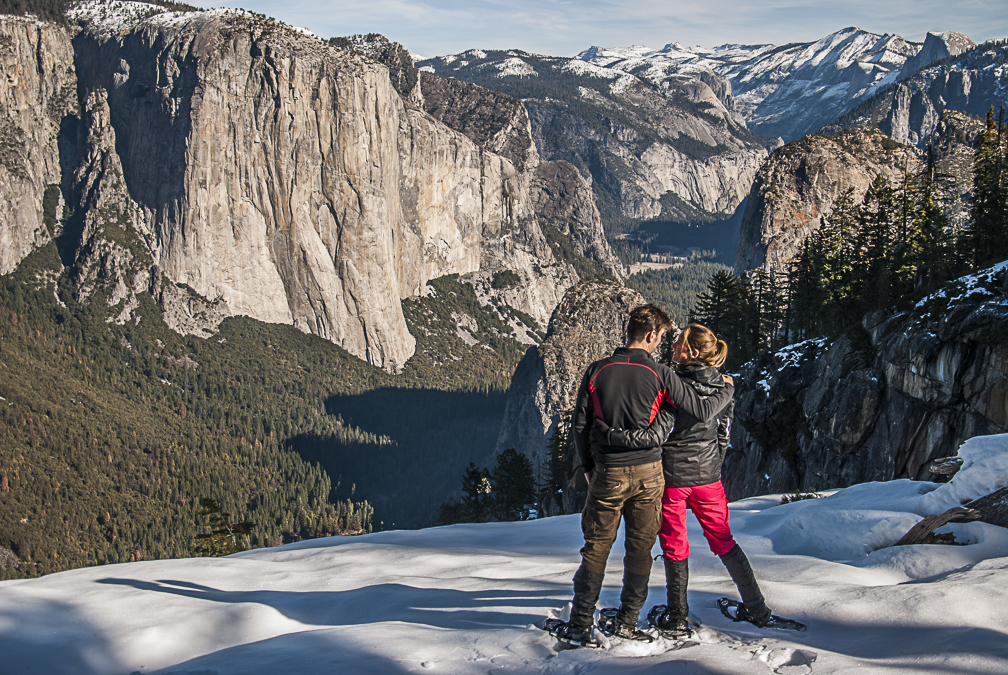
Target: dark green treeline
(887,251)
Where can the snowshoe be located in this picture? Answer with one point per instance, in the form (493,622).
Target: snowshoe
(668,627)
(611,627)
(572,635)
(736,611)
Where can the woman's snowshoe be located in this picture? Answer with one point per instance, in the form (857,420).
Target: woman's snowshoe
(577,636)
(736,611)
(669,627)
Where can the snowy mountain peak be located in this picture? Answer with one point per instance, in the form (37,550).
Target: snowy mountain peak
(794,89)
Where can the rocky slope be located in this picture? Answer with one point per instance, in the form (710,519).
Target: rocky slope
(910,110)
(878,404)
(677,152)
(37,91)
(788,90)
(263,172)
(587,325)
(799,183)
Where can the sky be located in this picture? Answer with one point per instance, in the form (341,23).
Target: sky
(566,27)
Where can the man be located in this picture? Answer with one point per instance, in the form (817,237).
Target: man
(625,391)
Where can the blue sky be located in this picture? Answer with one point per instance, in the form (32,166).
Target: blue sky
(564,28)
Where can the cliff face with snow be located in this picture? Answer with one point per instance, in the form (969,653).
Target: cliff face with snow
(910,389)
(911,111)
(266,173)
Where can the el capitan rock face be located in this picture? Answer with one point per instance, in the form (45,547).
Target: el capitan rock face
(275,175)
(878,404)
(38,88)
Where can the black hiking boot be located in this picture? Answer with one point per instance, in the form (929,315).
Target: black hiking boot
(676,582)
(737,611)
(669,625)
(756,611)
(580,636)
(610,625)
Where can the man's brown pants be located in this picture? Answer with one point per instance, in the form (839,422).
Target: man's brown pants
(632,493)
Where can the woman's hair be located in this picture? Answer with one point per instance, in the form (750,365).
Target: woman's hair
(701,339)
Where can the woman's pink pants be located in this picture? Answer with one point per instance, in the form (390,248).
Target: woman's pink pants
(709,505)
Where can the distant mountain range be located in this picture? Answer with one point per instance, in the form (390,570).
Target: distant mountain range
(794,89)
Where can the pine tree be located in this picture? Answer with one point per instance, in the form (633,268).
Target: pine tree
(876,237)
(838,242)
(225,536)
(513,486)
(553,473)
(476,494)
(986,231)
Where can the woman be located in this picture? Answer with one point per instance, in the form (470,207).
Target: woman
(692,455)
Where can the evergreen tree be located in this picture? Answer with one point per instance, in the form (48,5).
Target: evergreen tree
(838,243)
(876,238)
(225,536)
(938,259)
(714,306)
(477,492)
(513,486)
(553,473)
(986,232)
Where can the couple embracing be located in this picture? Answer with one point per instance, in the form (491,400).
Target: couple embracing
(651,441)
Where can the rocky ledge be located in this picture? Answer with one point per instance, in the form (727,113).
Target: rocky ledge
(878,403)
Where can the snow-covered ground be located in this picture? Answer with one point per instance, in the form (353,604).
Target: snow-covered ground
(468,598)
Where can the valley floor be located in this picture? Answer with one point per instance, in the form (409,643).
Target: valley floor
(469,598)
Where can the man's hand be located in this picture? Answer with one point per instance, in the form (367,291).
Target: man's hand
(728,379)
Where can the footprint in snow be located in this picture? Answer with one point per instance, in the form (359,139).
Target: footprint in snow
(787,661)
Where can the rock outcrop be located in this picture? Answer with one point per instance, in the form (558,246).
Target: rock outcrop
(38,88)
(111,258)
(289,180)
(878,404)
(798,184)
(564,201)
(587,325)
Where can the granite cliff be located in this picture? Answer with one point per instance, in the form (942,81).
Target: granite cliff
(264,172)
(677,152)
(798,184)
(38,89)
(910,111)
(878,403)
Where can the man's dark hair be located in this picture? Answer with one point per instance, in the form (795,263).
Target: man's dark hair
(645,319)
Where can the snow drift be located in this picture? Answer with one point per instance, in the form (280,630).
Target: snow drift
(468,598)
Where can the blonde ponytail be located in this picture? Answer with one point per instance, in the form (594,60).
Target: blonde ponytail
(701,340)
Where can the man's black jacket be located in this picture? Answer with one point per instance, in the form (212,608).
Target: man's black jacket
(692,450)
(625,391)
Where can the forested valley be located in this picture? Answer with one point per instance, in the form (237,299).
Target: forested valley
(111,435)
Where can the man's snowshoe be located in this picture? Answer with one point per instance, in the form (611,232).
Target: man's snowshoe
(736,611)
(611,627)
(668,627)
(577,636)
